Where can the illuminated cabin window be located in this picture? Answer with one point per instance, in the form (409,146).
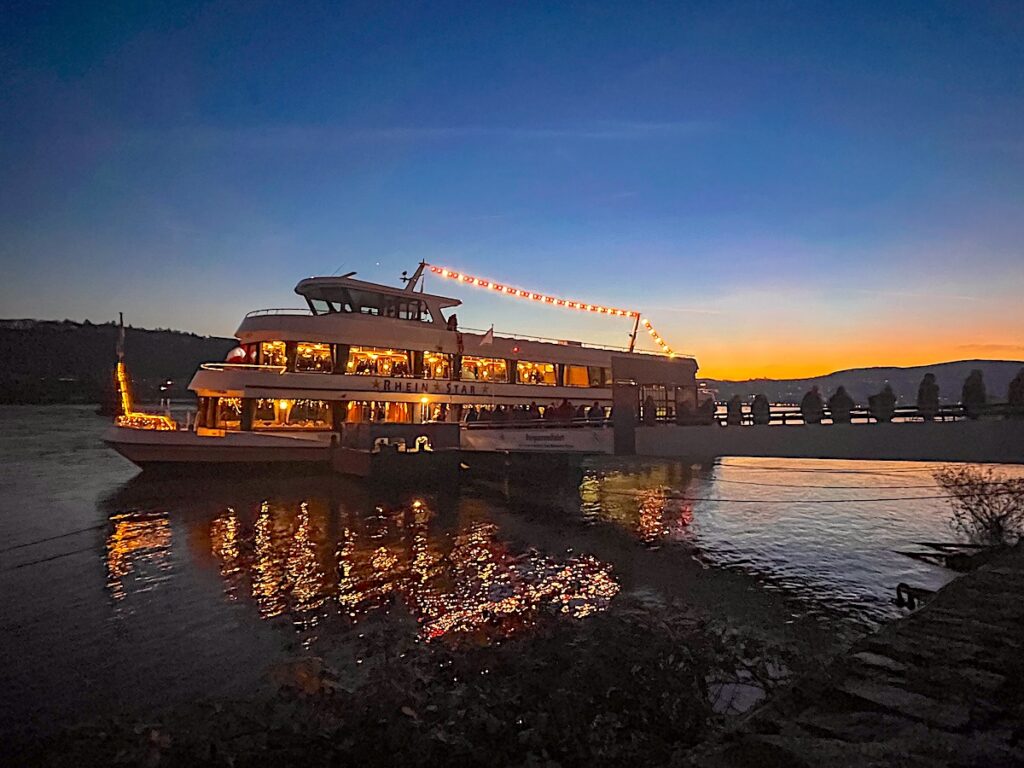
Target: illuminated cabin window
(273,353)
(599,377)
(371,361)
(229,413)
(535,373)
(313,358)
(437,365)
(363,411)
(577,376)
(273,413)
(484,369)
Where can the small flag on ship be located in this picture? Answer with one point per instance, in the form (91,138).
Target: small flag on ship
(488,337)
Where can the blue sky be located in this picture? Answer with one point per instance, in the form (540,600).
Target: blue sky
(844,180)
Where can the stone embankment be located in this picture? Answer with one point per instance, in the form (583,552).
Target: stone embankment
(944,686)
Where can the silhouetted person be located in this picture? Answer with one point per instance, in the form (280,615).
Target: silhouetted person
(534,411)
(972,396)
(581,412)
(811,406)
(471,415)
(684,413)
(928,397)
(883,405)
(734,411)
(596,412)
(650,412)
(1015,396)
(761,410)
(840,405)
(706,411)
(453,322)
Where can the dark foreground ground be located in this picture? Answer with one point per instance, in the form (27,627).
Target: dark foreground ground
(652,682)
(644,683)
(944,686)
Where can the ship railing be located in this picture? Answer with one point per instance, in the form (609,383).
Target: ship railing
(297,311)
(790,414)
(538,423)
(567,343)
(306,312)
(243,367)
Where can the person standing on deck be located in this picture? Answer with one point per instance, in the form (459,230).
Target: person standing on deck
(840,405)
(734,411)
(928,397)
(650,414)
(1015,396)
(811,407)
(973,396)
(761,409)
(883,405)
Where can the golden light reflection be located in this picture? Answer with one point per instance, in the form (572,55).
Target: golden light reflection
(466,584)
(646,503)
(135,540)
(224,543)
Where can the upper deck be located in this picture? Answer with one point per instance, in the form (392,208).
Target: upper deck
(343,310)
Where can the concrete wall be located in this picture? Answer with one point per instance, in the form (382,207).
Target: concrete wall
(971,441)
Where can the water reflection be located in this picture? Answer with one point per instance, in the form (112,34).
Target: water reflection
(645,500)
(450,570)
(137,548)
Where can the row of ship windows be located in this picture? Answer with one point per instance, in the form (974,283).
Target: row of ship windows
(312,357)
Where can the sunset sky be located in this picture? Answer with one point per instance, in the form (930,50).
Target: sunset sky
(784,188)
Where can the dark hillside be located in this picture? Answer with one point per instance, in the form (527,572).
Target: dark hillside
(62,361)
(861,382)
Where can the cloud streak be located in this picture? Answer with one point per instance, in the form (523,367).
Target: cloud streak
(299,136)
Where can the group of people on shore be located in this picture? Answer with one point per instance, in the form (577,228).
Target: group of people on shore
(564,412)
(882,405)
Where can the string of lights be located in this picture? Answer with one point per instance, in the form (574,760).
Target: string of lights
(136,419)
(554,301)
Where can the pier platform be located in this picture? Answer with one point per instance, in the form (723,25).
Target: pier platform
(943,686)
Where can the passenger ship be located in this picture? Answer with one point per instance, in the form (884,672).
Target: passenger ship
(356,364)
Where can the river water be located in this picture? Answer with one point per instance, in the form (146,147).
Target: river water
(123,592)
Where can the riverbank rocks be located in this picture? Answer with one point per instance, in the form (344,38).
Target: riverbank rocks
(943,686)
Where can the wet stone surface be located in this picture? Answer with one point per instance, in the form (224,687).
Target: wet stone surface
(907,695)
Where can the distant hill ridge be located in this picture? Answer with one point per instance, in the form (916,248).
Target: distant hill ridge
(862,382)
(54,361)
(62,361)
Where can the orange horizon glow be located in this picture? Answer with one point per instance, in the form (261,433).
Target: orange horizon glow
(786,361)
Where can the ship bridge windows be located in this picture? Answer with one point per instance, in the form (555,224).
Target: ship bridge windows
(273,353)
(365,302)
(437,365)
(484,369)
(535,373)
(373,361)
(313,358)
(405,309)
